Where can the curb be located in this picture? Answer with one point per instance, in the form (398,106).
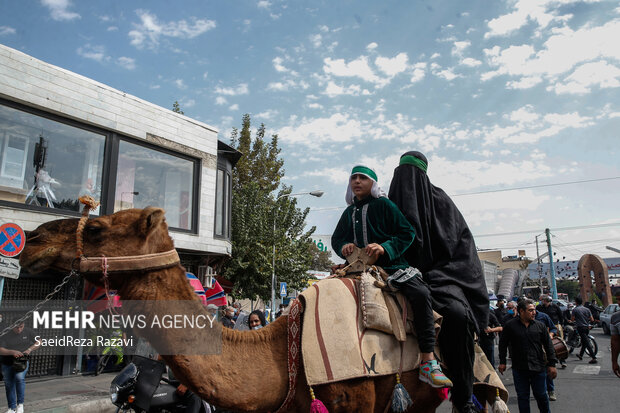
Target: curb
(102,405)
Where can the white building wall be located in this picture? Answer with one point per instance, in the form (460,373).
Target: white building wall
(37,84)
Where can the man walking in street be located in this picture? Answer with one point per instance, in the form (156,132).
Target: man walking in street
(532,354)
(550,308)
(615,337)
(582,317)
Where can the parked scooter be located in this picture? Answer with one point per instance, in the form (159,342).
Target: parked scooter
(142,386)
(573,340)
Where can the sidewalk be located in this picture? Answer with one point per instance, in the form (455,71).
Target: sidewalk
(56,394)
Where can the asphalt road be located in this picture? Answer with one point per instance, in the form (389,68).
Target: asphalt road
(580,387)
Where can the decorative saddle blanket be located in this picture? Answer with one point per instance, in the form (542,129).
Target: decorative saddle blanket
(336,346)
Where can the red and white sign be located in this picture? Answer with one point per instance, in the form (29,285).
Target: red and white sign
(12,240)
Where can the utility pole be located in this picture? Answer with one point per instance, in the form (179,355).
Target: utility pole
(554,290)
(539,266)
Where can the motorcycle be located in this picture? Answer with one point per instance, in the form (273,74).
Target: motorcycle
(573,340)
(142,387)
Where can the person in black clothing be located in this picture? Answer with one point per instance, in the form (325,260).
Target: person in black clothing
(488,337)
(445,253)
(15,344)
(554,311)
(228,318)
(582,317)
(511,312)
(532,354)
(500,310)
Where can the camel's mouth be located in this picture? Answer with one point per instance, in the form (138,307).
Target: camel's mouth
(39,261)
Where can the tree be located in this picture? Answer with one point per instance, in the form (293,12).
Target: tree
(569,287)
(255,208)
(321,260)
(177,108)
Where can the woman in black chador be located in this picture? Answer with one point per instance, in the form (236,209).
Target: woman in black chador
(444,251)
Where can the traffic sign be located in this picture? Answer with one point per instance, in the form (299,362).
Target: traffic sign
(12,240)
(9,268)
(282,289)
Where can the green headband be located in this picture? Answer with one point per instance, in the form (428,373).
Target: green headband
(359,169)
(412,160)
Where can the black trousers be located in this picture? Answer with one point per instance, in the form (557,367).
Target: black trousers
(488,346)
(585,342)
(419,295)
(456,341)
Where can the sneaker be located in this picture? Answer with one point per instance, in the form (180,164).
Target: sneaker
(10,411)
(20,408)
(593,361)
(430,372)
(552,396)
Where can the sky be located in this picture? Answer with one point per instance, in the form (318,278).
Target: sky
(515,104)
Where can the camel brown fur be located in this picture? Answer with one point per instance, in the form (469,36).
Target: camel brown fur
(250,374)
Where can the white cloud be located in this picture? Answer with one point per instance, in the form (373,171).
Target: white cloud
(126,62)
(372,46)
(268,114)
(149,31)
(393,66)
(241,89)
(587,75)
(333,90)
(263,4)
(281,86)
(277,64)
(4,30)
(94,52)
(419,71)
(468,61)
(221,100)
(188,103)
(447,74)
(459,47)
(339,127)
(355,68)
(234,107)
(524,82)
(180,83)
(563,51)
(315,106)
(316,40)
(333,175)
(59,10)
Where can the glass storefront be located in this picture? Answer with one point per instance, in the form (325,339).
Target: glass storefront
(48,163)
(148,177)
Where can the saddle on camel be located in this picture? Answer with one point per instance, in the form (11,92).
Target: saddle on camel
(132,252)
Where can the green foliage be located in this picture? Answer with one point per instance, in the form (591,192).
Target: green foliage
(255,208)
(177,108)
(568,287)
(321,260)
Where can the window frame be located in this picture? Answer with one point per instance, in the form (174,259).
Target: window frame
(109,168)
(225,166)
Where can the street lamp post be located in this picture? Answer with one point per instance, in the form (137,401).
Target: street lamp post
(318,194)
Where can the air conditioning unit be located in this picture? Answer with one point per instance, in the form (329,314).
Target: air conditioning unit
(206,275)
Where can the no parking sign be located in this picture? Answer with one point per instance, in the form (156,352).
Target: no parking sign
(12,240)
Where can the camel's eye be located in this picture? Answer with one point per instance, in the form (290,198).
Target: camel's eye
(93,231)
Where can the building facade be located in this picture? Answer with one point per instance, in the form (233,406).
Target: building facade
(63,135)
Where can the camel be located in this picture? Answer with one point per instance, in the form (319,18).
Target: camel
(250,374)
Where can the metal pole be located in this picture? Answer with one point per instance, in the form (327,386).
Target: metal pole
(273,270)
(554,290)
(539,266)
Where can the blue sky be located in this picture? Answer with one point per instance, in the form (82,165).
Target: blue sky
(497,94)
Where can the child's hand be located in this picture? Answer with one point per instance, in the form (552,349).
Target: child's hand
(374,249)
(347,249)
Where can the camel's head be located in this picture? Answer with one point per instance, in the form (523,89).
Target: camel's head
(53,245)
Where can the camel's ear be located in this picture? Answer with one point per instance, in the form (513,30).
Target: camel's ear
(150,219)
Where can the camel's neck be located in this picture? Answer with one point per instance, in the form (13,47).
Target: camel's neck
(249,373)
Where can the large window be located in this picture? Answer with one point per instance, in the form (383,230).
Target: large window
(45,163)
(222,201)
(150,177)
